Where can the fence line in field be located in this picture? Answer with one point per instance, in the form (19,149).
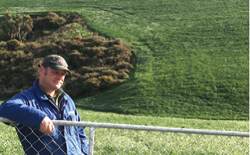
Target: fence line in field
(93,125)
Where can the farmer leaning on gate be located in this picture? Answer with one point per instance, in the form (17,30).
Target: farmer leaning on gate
(34,108)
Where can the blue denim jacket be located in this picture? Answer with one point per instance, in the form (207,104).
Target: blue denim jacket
(28,109)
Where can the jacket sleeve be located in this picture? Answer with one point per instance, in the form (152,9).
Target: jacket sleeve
(83,138)
(16,110)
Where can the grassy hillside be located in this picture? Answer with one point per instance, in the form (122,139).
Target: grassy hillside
(192,56)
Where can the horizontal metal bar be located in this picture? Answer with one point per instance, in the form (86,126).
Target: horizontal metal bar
(147,128)
(152,128)
(5,120)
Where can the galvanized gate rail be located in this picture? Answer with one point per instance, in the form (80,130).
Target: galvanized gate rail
(93,125)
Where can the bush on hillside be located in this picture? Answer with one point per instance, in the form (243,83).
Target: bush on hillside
(96,62)
(15,27)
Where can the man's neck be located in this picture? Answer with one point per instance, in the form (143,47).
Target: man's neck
(51,93)
(48,91)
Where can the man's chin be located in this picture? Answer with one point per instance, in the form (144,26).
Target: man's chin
(58,86)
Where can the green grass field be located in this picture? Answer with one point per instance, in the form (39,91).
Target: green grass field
(125,142)
(191,71)
(191,56)
(112,141)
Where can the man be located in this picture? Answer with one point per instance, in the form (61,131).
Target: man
(33,109)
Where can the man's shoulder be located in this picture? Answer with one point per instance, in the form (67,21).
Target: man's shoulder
(28,91)
(67,97)
(24,94)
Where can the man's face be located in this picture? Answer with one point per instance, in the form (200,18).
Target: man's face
(50,78)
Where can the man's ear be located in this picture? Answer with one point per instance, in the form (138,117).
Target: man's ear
(41,70)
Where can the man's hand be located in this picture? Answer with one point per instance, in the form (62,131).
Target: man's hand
(46,126)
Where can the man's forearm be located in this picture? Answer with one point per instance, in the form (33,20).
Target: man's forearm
(22,114)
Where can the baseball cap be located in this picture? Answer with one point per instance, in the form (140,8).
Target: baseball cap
(55,61)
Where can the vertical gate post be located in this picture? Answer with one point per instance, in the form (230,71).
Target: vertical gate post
(91,140)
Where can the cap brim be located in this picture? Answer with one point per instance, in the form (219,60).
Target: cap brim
(60,68)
